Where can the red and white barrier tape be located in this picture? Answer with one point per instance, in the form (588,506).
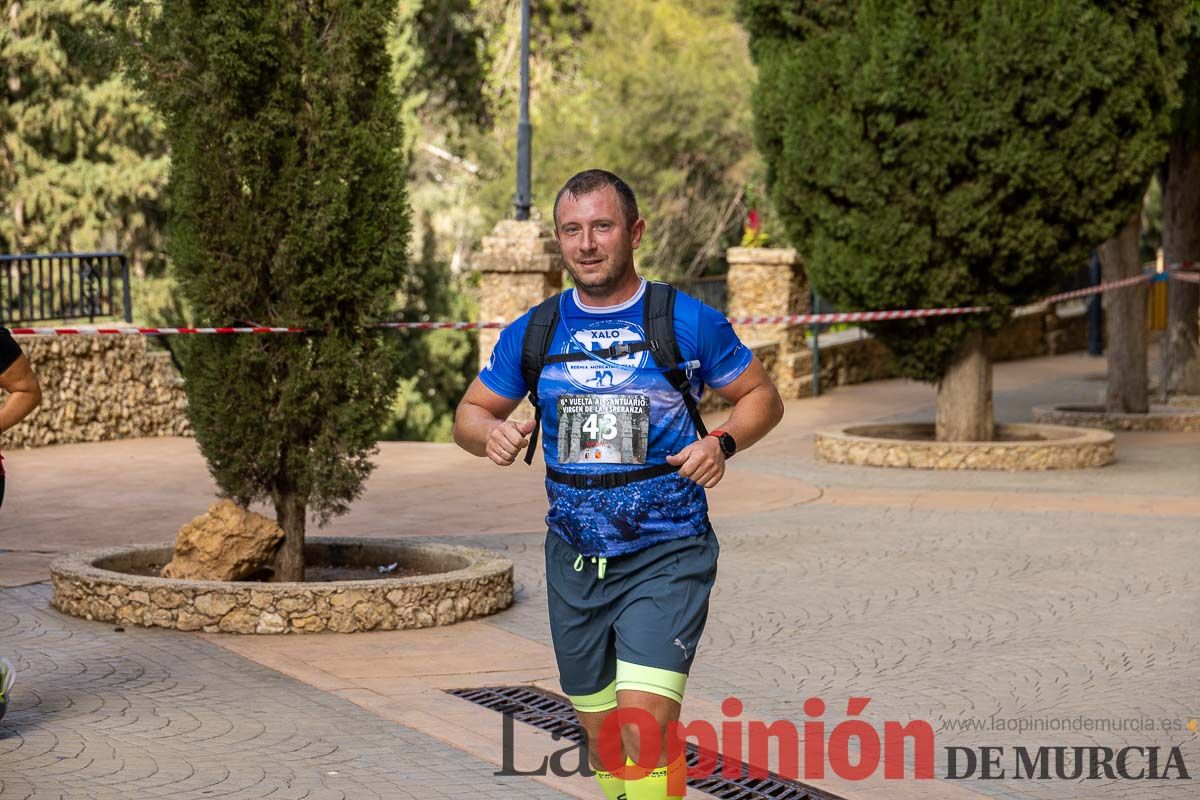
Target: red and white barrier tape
(1103,287)
(438,326)
(856,316)
(1176,271)
(95,330)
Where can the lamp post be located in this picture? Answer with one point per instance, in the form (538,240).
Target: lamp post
(524,129)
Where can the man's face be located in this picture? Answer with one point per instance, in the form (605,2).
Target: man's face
(596,242)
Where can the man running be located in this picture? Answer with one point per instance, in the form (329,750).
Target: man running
(24,394)
(630,554)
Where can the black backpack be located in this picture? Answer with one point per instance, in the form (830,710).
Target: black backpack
(658,320)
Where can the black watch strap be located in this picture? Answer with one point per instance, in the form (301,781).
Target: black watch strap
(728,445)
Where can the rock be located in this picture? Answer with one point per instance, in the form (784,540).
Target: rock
(187,621)
(400,597)
(240,620)
(343,601)
(369,616)
(162,618)
(270,623)
(444,613)
(98,609)
(166,598)
(214,605)
(342,622)
(261,599)
(290,605)
(226,544)
(309,624)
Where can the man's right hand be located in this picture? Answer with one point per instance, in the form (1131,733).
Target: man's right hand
(507,440)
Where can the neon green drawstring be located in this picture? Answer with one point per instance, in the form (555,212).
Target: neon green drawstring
(601,562)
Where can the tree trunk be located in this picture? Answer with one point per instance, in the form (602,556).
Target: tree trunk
(1125,324)
(290,512)
(1181,242)
(964,396)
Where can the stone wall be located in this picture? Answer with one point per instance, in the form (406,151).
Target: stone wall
(100,387)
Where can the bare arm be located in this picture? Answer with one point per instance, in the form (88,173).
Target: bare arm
(24,392)
(757,408)
(481,425)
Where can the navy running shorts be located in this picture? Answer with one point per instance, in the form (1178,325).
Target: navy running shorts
(631,621)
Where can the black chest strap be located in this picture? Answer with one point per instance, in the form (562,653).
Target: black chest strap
(608,353)
(608,480)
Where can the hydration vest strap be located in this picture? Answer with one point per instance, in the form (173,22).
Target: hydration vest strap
(539,332)
(658,317)
(608,480)
(616,351)
(537,428)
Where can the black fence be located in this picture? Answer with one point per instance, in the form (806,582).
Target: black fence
(53,286)
(712,291)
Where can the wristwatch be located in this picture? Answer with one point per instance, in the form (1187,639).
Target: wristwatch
(728,445)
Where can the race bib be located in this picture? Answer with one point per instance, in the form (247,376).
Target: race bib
(603,428)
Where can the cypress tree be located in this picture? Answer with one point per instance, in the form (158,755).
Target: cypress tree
(289,209)
(958,153)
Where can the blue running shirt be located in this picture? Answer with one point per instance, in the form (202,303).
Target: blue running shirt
(620,415)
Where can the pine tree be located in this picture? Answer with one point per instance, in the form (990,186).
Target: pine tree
(83,162)
(289,209)
(958,153)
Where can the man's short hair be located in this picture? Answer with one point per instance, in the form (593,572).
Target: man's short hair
(591,180)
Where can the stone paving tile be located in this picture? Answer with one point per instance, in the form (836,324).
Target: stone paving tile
(149,713)
(948,617)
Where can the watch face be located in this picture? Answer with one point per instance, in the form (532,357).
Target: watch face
(728,447)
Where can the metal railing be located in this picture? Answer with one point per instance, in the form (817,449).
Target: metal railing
(713,291)
(38,287)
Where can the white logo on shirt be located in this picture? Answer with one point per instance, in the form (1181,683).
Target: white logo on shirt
(596,375)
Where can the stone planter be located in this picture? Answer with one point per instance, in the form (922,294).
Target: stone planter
(461,583)
(1018,447)
(1184,401)
(1179,418)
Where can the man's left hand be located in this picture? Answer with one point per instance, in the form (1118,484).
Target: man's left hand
(702,461)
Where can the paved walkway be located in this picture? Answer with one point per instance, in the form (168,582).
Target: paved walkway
(950,597)
(110,715)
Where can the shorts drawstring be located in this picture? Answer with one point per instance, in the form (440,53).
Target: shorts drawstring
(600,561)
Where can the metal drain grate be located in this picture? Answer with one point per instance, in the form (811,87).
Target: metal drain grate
(554,714)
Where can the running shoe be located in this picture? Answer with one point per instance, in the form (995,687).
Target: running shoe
(8,674)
